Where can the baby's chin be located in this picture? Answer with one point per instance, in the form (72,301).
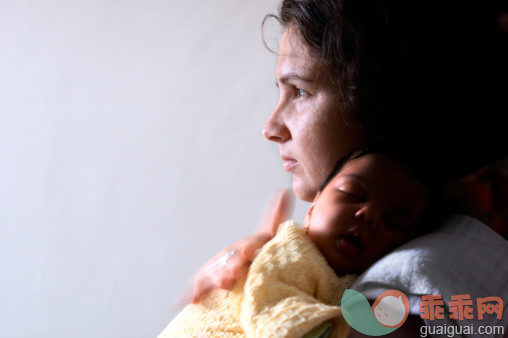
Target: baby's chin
(343,271)
(340,263)
(346,266)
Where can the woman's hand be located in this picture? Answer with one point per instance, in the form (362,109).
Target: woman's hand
(232,263)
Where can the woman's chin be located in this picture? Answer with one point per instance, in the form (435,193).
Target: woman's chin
(302,189)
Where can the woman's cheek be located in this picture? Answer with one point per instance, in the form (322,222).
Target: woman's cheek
(309,176)
(314,160)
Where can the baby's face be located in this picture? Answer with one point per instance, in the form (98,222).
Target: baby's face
(369,208)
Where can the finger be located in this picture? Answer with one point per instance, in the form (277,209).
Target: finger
(203,281)
(222,278)
(225,283)
(219,274)
(280,211)
(238,266)
(240,271)
(201,289)
(235,263)
(253,244)
(184,299)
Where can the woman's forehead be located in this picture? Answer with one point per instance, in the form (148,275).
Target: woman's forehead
(293,44)
(295,55)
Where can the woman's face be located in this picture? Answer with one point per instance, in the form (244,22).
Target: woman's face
(306,123)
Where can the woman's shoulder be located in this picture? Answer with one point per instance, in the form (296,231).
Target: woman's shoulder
(462,229)
(462,256)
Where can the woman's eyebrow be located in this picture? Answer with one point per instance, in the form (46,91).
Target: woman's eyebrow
(293,76)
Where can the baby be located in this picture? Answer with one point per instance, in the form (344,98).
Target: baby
(370,204)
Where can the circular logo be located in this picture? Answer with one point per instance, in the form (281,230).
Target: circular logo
(387,314)
(391,308)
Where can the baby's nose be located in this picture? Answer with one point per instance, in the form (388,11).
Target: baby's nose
(367,214)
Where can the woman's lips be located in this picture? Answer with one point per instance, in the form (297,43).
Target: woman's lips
(350,245)
(289,163)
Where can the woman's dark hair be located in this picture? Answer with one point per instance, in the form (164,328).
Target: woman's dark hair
(433,73)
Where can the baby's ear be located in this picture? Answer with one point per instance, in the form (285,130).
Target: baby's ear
(308,214)
(306,218)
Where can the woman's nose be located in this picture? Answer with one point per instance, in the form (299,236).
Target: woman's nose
(368,215)
(275,128)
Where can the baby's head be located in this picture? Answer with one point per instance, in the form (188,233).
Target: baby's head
(368,206)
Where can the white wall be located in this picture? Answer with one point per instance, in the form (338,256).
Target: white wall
(130,152)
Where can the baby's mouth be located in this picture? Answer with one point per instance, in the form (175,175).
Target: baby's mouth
(350,245)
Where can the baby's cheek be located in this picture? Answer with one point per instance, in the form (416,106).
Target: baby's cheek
(313,236)
(321,236)
(318,238)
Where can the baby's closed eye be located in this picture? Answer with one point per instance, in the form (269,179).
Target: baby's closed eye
(399,220)
(351,189)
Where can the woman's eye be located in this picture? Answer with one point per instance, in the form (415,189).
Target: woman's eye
(300,92)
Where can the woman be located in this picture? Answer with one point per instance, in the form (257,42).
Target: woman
(352,72)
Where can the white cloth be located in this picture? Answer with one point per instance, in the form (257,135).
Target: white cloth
(463,256)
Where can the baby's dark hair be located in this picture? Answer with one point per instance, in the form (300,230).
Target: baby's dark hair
(405,153)
(358,152)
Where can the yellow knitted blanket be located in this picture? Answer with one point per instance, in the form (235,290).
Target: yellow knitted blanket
(289,290)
